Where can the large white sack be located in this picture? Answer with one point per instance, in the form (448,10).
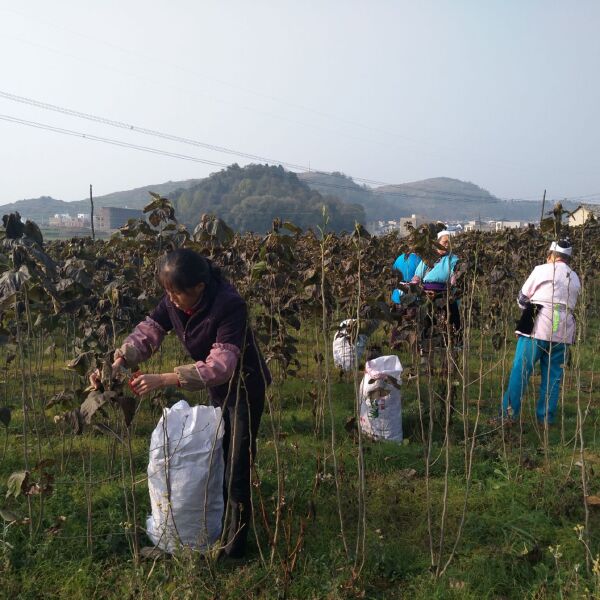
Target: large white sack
(380,400)
(186,457)
(347,354)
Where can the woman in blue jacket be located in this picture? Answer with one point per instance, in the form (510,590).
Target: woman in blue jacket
(406,264)
(440,277)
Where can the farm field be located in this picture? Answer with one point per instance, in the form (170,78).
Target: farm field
(461,509)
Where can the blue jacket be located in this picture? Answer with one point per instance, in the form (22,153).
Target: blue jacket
(406,264)
(440,272)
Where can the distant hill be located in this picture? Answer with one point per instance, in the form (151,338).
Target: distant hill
(37,209)
(41,209)
(249,198)
(339,185)
(441,198)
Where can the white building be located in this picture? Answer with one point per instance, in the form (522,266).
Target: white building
(66,221)
(583,213)
(479,226)
(500,225)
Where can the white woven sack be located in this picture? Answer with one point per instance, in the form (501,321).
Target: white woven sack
(380,401)
(185,478)
(347,355)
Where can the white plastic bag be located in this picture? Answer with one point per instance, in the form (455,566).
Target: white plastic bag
(346,354)
(185,478)
(380,399)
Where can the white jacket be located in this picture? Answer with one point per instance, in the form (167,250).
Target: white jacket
(554,286)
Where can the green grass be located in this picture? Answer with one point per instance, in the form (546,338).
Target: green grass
(525,496)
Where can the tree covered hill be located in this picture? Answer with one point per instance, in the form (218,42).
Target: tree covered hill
(441,198)
(249,198)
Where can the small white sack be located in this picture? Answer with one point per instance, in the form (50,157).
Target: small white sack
(380,401)
(186,456)
(346,354)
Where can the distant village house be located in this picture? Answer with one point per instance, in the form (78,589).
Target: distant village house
(107,218)
(500,225)
(110,218)
(66,221)
(583,213)
(494,225)
(400,225)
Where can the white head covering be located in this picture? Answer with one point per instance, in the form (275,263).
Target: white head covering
(556,247)
(442,233)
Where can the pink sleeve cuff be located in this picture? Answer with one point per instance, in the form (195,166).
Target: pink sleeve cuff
(142,343)
(220,364)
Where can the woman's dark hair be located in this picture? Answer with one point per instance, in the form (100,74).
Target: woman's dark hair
(183,269)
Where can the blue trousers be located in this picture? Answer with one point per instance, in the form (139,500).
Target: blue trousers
(551,356)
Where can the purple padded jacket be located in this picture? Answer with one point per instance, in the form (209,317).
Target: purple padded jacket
(216,335)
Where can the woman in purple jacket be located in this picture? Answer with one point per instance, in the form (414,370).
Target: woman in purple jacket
(211,321)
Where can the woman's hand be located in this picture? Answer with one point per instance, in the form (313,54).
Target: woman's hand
(152,381)
(96,376)
(118,364)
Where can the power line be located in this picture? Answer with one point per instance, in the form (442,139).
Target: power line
(167,136)
(97,138)
(143,130)
(231,151)
(87,136)
(222,149)
(269,96)
(260,94)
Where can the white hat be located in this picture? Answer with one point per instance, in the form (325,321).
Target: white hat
(556,247)
(442,233)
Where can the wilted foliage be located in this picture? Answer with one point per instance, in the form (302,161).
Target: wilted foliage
(77,298)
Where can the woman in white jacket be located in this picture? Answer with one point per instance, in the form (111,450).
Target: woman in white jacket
(547,326)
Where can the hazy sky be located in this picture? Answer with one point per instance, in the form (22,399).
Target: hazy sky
(503,93)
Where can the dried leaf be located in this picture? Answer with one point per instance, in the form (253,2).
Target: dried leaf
(292,227)
(128,406)
(94,401)
(154,219)
(13,225)
(8,515)
(407,473)
(83,363)
(32,231)
(17,483)
(75,419)
(497,341)
(11,283)
(63,398)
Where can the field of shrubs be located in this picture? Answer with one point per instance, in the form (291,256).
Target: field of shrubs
(462,508)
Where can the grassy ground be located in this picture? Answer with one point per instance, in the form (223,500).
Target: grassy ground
(518,539)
